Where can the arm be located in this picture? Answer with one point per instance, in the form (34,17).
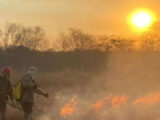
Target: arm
(39,91)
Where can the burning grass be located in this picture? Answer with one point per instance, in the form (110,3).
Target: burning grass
(69,108)
(127,89)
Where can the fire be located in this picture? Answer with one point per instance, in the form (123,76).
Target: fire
(118,101)
(150,99)
(100,104)
(109,101)
(69,108)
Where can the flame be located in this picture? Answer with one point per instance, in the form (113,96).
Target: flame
(150,99)
(69,108)
(118,101)
(100,104)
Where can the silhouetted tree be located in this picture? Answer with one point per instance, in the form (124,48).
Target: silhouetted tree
(9,34)
(31,37)
(120,44)
(67,44)
(151,39)
(17,35)
(81,39)
(76,39)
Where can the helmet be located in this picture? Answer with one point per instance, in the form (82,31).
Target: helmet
(6,70)
(32,71)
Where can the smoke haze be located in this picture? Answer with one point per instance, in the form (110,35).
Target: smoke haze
(128,88)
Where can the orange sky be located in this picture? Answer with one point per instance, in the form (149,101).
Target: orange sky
(93,16)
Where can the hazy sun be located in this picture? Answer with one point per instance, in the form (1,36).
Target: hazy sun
(142,19)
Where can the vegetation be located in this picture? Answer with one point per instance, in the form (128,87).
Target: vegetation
(34,38)
(24,46)
(86,65)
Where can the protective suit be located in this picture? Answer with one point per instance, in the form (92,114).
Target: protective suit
(5,91)
(29,88)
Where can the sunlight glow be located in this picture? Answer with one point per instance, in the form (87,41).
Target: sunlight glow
(142,19)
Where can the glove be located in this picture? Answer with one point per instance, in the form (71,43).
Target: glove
(46,95)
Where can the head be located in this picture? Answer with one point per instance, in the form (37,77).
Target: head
(6,72)
(32,71)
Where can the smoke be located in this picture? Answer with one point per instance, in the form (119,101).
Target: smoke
(127,89)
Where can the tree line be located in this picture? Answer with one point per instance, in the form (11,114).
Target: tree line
(34,38)
(74,39)
(14,35)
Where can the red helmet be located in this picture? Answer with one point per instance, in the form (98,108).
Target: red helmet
(6,70)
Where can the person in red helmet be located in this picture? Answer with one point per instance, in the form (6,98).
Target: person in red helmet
(5,90)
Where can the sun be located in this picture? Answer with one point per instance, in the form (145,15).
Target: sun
(142,19)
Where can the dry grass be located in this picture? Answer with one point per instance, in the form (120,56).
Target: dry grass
(132,75)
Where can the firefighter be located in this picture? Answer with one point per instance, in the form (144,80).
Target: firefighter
(30,87)
(5,91)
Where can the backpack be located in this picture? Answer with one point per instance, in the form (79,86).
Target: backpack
(18,90)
